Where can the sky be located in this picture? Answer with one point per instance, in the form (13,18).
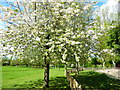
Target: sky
(3,3)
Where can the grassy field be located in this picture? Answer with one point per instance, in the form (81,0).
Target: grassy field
(91,79)
(22,77)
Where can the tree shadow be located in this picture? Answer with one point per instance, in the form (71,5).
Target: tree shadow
(30,84)
(59,82)
(97,80)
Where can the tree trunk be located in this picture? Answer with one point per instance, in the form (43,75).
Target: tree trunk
(65,66)
(114,64)
(46,74)
(9,62)
(77,67)
(103,64)
(83,64)
(47,64)
(59,67)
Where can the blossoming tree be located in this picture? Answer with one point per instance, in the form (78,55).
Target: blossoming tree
(47,31)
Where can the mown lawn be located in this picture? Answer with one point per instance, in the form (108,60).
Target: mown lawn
(94,80)
(22,77)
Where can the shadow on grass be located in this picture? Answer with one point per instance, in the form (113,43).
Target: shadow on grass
(96,80)
(59,82)
(30,84)
(56,82)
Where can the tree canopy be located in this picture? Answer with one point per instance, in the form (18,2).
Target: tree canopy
(51,32)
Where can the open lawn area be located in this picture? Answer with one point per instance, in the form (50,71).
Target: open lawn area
(22,77)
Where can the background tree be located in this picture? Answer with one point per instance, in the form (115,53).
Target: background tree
(99,34)
(114,41)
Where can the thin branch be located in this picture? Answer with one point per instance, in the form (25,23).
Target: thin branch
(27,14)
(22,13)
(11,23)
(35,12)
(10,3)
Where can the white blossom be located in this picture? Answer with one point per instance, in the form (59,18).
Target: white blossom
(76,10)
(64,56)
(59,4)
(86,6)
(100,34)
(69,10)
(90,32)
(49,43)
(5,48)
(37,39)
(70,0)
(95,37)
(12,48)
(105,50)
(82,32)
(63,61)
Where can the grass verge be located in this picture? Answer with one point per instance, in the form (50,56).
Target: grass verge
(91,79)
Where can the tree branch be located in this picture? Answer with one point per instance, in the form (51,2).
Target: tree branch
(10,3)
(22,13)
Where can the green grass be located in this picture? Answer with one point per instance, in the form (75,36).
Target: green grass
(0,76)
(91,79)
(22,77)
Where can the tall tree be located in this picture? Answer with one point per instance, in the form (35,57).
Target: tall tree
(51,30)
(101,37)
(114,42)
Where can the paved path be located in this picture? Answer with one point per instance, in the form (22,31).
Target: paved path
(114,73)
